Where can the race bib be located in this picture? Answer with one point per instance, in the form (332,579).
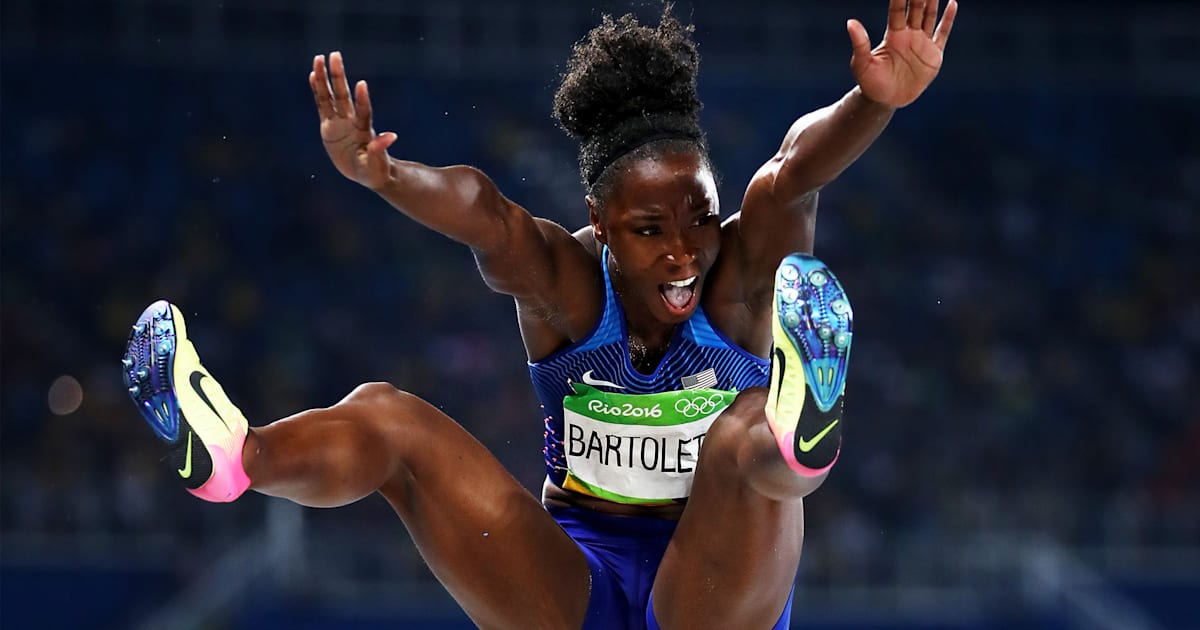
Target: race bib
(637,448)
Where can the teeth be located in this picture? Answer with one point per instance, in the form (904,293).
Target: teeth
(682,283)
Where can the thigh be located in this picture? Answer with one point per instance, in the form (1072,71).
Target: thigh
(487,539)
(733,559)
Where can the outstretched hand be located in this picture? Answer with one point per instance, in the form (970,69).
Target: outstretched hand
(356,150)
(905,62)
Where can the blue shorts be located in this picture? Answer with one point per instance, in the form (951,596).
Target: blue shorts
(623,554)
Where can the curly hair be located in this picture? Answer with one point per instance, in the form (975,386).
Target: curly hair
(629,92)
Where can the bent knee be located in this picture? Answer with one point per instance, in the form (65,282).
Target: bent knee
(729,430)
(379,395)
(380,405)
(740,440)
(745,412)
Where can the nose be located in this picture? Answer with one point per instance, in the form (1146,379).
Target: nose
(683,258)
(681,251)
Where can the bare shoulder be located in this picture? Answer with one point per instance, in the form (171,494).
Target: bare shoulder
(727,282)
(568,260)
(739,309)
(587,237)
(575,299)
(761,233)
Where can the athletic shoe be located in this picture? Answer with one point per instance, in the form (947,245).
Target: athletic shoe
(183,404)
(813,327)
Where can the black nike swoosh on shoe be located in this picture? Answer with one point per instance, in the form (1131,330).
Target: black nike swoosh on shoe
(200,461)
(779,356)
(803,444)
(196,377)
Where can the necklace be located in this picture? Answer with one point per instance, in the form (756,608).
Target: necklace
(637,351)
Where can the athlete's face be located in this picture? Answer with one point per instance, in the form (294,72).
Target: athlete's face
(661,222)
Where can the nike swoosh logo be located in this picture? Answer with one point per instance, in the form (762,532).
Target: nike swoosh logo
(808,445)
(186,471)
(596,382)
(195,379)
(779,360)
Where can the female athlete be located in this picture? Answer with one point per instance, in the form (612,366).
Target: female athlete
(690,369)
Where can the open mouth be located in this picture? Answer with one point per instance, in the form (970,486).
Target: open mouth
(679,294)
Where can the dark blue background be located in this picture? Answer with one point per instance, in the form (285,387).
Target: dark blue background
(1023,423)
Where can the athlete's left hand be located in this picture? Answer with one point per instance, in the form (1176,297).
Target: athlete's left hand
(896,71)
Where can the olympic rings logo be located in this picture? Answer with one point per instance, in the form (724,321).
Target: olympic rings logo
(692,407)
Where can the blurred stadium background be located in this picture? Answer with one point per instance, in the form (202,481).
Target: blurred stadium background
(1021,246)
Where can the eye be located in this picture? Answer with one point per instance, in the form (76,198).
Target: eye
(704,219)
(647,230)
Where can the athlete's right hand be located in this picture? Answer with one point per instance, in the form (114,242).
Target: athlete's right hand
(356,150)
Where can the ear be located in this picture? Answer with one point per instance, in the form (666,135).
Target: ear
(594,219)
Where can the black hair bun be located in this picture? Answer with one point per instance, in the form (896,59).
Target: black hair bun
(626,84)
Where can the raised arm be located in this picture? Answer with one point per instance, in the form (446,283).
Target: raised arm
(518,254)
(778,212)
